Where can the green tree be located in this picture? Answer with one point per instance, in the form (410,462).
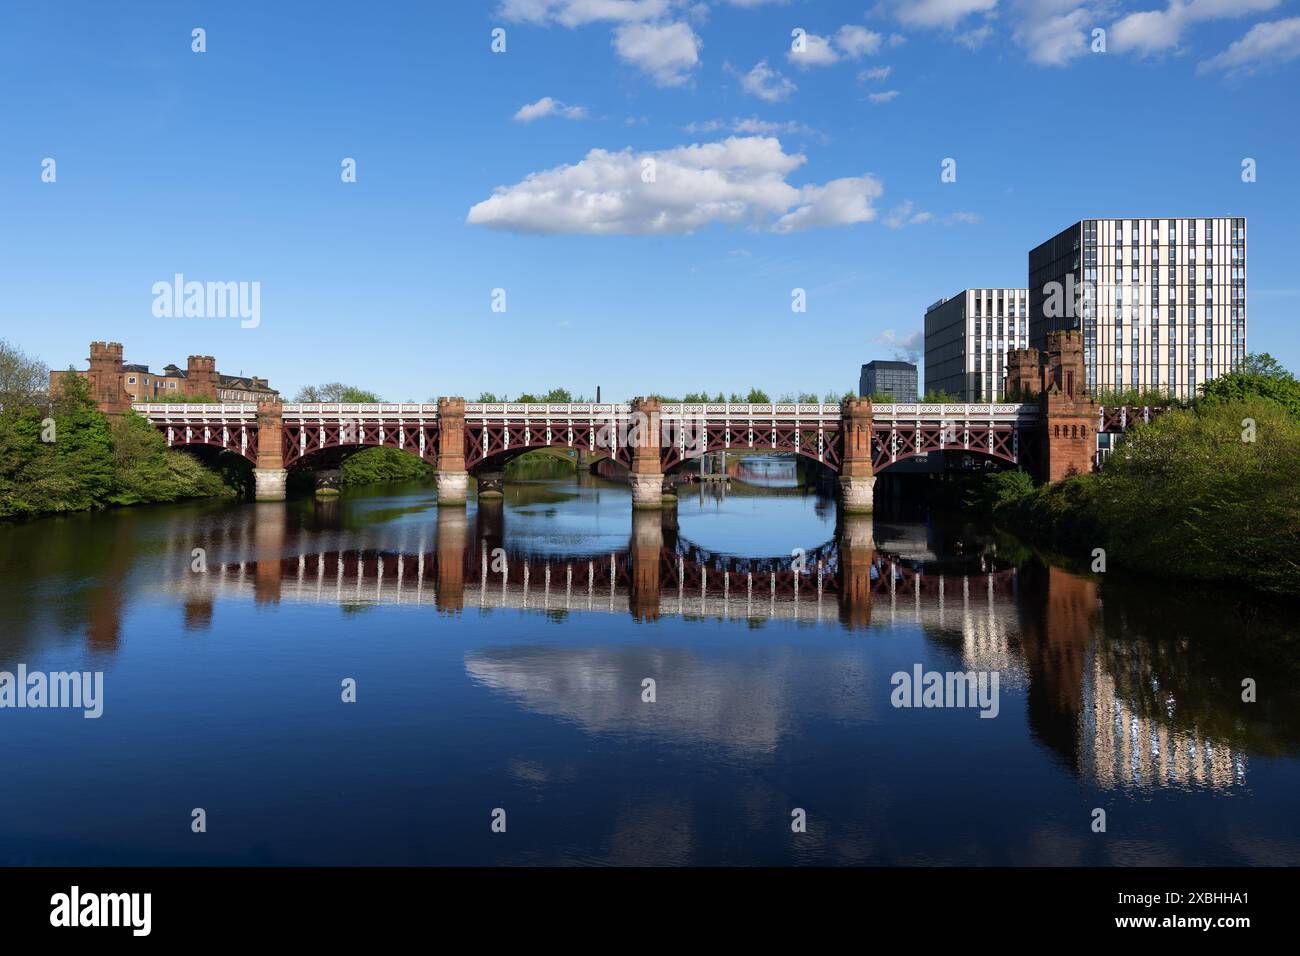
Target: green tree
(24,380)
(1260,375)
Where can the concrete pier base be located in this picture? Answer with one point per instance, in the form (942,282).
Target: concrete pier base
(856,493)
(329,482)
(269,483)
(647,492)
(453,487)
(491,484)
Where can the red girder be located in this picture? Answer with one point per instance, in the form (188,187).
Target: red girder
(179,440)
(910,440)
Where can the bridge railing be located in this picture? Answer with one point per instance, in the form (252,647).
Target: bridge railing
(195,410)
(360,409)
(956,411)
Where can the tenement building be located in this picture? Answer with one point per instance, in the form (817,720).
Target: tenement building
(894,380)
(115,384)
(1161,303)
(967,338)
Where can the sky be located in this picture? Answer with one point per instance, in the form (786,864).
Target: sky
(623,193)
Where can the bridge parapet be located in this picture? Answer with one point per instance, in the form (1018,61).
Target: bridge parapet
(928,411)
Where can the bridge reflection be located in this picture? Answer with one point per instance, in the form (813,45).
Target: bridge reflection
(1086,694)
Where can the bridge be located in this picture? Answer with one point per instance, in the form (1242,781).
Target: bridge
(1054,434)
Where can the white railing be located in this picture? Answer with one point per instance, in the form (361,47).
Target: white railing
(493,411)
(195,410)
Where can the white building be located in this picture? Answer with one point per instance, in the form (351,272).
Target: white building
(967,338)
(1161,302)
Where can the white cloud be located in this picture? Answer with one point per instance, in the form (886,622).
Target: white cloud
(902,215)
(739,181)
(547,106)
(751,125)
(765,83)
(668,52)
(1154,31)
(1264,45)
(856,42)
(883,97)
(817,51)
(938,13)
(851,42)
(1052,32)
(974,39)
(909,346)
(841,202)
(875,73)
(574,13)
(967,218)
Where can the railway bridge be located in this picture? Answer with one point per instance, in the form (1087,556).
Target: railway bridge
(1053,432)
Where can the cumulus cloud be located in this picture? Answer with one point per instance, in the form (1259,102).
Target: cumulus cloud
(750,125)
(765,83)
(1155,31)
(738,181)
(882,97)
(547,106)
(939,13)
(849,42)
(1265,44)
(875,73)
(902,215)
(668,52)
(908,347)
(575,13)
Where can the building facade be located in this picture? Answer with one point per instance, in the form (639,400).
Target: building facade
(967,338)
(1161,303)
(115,384)
(894,379)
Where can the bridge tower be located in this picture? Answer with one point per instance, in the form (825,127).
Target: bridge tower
(453,479)
(201,377)
(647,470)
(269,473)
(1068,413)
(105,377)
(857,476)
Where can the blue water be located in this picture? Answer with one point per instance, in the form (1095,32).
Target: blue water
(477,690)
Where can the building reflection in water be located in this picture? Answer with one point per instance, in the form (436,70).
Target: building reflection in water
(1040,626)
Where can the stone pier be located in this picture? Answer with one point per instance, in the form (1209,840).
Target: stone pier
(647,475)
(269,474)
(857,545)
(646,545)
(329,482)
(453,479)
(857,478)
(491,484)
(452,539)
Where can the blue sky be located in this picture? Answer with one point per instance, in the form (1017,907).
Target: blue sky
(818,170)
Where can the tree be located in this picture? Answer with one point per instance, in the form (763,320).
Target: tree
(23,379)
(1260,375)
(335,392)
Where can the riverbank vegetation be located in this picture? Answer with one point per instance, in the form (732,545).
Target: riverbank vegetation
(62,454)
(1207,492)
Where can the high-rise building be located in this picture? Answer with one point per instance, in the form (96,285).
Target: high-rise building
(894,379)
(967,338)
(1161,303)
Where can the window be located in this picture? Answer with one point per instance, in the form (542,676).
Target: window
(131,381)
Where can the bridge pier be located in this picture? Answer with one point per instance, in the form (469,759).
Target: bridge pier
(329,482)
(269,475)
(491,484)
(857,545)
(646,546)
(647,475)
(857,479)
(453,479)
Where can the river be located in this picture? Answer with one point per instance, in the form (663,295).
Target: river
(501,657)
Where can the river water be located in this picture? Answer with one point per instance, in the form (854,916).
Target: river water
(501,656)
